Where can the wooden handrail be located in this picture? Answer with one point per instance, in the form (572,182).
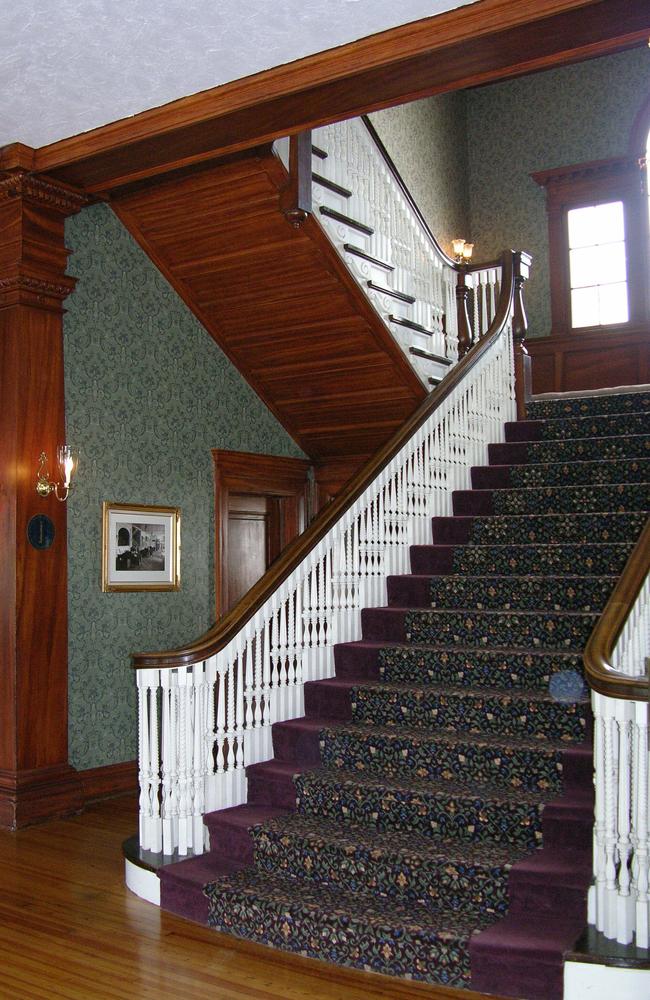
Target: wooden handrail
(223,631)
(600,674)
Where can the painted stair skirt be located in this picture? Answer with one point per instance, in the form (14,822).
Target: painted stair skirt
(431,815)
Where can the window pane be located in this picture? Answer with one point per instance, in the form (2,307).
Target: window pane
(584,307)
(596,224)
(597,265)
(613,303)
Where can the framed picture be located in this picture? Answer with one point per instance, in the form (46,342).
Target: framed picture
(140,547)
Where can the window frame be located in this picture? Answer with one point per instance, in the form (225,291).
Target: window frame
(584,185)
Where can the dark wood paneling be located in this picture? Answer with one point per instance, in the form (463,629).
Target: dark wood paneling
(596,360)
(464,47)
(279,302)
(35,778)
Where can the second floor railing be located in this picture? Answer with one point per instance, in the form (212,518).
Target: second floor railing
(424,297)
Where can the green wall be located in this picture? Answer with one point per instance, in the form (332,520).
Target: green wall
(148,394)
(551,119)
(427,142)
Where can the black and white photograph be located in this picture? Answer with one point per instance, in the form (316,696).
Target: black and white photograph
(141,547)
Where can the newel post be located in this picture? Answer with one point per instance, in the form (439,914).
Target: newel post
(295,199)
(523,379)
(464,328)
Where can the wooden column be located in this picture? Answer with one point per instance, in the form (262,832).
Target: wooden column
(36,780)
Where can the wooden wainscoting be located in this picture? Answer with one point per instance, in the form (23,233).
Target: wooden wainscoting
(262,502)
(590,360)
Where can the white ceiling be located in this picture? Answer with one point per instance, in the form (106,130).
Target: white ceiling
(67,66)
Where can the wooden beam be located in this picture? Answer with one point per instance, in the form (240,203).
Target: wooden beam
(472,45)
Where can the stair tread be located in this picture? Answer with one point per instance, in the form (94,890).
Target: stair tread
(450,738)
(351,834)
(489,612)
(434,647)
(431,787)
(330,903)
(447,691)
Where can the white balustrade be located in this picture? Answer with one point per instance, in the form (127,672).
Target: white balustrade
(619,900)
(485,287)
(418,267)
(201,725)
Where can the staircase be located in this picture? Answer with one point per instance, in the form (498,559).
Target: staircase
(431,815)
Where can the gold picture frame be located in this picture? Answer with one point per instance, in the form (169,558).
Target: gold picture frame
(141,547)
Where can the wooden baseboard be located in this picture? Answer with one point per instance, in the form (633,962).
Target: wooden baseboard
(111,779)
(33,796)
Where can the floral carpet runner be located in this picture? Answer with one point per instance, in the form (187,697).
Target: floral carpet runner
(431,816)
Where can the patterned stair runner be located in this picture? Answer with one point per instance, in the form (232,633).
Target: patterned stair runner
(431,815)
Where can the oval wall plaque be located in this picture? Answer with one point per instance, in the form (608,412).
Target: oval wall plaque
(40,531)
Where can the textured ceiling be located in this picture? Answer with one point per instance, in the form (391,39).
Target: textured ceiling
(67,66)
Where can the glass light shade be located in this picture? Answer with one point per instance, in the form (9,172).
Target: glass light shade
(68,459)
(468,250)
(457,246)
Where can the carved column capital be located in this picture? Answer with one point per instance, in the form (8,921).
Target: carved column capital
(33,209)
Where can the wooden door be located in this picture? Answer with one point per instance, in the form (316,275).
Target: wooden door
(254,532)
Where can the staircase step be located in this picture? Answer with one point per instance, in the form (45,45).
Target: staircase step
(551,880)
(417,352)
(479,668)
(556,473)
(589,405)
(346,220)
(411,325)
(383,290)
(593,559)
(434,875)
(347,928)
(603,426)
(331,185)
(521,593)
(543,528)
(440,755)
(464,812)
(318,152)
(587,450)
(566,630)
(524,957)
(358,252)
(519,713)
(553,499)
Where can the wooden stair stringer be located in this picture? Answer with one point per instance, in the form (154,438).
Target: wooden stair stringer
(279,301)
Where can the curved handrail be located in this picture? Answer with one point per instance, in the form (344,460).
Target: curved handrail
(223,631)
(601,675)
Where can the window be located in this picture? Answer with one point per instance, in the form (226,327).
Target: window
(598,226)
(597,271)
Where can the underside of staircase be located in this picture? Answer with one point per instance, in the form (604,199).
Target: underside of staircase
(431,815)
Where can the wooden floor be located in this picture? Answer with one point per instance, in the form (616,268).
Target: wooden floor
(70,930)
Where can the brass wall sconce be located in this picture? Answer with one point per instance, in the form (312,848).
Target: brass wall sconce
(68,461)
(462,251)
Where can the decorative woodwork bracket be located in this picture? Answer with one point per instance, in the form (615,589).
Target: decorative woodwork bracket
(32,271)
(295,199)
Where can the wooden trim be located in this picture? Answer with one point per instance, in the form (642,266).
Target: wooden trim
(591,359)
(600,673)
(108,780)
(471,45)
(266,475)
(639,131)
(221,633)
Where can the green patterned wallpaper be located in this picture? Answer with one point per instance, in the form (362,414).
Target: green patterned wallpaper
(427,142)
(562,116)
(148,394)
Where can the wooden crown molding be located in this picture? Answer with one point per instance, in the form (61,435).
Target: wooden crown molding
(475,44)
(617,166)
(42,191)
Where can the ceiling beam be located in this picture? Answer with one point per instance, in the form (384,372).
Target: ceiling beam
(472,45)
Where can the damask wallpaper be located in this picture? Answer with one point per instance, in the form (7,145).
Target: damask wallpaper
(427,142)
(148,395)
(563,116)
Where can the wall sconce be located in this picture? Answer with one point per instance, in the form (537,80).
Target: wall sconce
(462,251)
(67,460)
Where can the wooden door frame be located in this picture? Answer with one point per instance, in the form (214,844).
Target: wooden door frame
(261,475)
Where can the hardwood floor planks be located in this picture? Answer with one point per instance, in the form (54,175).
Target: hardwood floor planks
(70,930)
